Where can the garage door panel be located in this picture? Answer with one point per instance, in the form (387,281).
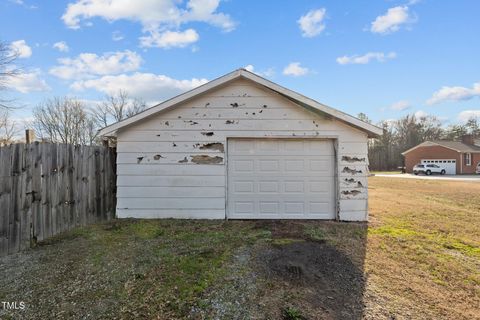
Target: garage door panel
(280,178)
(281,147)
(258,197)
(268,165)
(247,207)
(297,186)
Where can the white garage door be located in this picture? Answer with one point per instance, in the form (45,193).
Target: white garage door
(449,165)
(280,179)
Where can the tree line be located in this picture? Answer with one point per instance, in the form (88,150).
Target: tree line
(71,120)
(61,119)
(385,152)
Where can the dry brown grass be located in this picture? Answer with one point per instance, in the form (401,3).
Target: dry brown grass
(423,248)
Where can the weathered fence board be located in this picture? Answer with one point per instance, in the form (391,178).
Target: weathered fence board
(46,189)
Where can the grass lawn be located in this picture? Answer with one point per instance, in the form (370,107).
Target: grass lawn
(418,258)
(386,172)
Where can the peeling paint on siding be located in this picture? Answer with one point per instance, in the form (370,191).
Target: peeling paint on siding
(352,159)
(205,159)
(213,146)
(353,181)
(352,171)
(185,160)
(351,192)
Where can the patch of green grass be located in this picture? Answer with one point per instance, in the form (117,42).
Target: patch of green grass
(392,231)
(315,233)
(145,230)
(292,313)
(285,241)
(458,245)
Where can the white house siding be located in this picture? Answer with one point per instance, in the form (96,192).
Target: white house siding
(173,164)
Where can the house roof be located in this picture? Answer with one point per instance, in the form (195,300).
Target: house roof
(453,145)
(371,130)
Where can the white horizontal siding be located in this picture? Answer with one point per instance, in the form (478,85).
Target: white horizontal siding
(207,136)
(155,158)
(200,181)
(149,151)
(140,147)
(169,191)
(171,203)
(239,124)
(171,170)
(188,213)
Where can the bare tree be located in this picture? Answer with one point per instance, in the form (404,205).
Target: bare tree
(7,70)
(117,107)
(8,128)
(64,120)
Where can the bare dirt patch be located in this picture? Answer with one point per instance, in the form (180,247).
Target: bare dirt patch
(313,277)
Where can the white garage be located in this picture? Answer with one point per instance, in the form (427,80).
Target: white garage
(242,147)
(450,165)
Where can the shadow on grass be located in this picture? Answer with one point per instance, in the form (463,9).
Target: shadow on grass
(315,268)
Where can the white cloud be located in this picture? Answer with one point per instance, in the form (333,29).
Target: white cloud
(400,105)
(61,46)
(366,58)
(392,20)
(117,36)
(27,82)
(465,115)
(21,48)
(23,4)
(156,16)
(294,69)
(270,72)
(148,86)
(169,39)
(455,94)
(87,65)
(421,114)
(312,24)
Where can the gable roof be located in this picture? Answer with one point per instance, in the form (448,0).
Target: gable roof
(371,130)
(453,145)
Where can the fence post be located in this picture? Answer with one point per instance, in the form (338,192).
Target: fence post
(29,136)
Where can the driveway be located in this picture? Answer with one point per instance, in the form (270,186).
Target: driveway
(473,178)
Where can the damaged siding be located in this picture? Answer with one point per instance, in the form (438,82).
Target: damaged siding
(173,164)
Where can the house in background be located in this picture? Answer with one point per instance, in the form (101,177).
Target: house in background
(457,157)
(242,147)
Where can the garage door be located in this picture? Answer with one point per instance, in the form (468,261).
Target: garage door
(450,165)
(280,179)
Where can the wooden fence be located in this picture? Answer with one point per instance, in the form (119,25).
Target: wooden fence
(49,188)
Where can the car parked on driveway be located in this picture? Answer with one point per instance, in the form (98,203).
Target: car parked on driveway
(428,169)
(477,171)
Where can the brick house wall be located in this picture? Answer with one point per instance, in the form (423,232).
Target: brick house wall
(475,161)
(438,152)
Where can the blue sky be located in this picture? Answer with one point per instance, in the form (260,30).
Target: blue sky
(385,58)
